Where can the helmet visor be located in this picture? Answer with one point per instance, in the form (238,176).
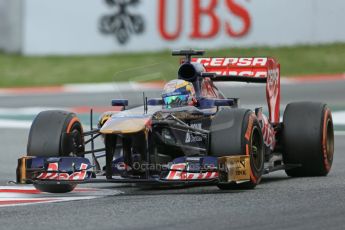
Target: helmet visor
(176,101)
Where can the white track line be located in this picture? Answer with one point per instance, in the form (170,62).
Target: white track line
(10,195)
(15,124)
(26,110)
(339,133)
(33,201)
(338,117)
(102,87)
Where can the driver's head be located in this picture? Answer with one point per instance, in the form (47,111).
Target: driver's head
(178,93)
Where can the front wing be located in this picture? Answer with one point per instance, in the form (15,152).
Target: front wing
(183,170)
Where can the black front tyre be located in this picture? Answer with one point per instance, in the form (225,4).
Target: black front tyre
(238,132)
(55,133)
(57,188)
(308,139)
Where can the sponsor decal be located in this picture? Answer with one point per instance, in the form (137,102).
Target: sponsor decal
(248,73)
(245,73)
(192,138)
(196,125)
(122,166)
(232,62)
(53,174)
(180,172)
(187,140)
(234,168)
(273,93)
(268,133)
(201,12)
(122,24)
(193,159)
(248,66)
(272,83)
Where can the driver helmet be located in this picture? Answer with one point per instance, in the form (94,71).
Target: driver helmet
(178,93)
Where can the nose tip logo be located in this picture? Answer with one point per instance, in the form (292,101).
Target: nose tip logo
(122,24)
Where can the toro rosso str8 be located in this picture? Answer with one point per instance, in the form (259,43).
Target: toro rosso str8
(203,138)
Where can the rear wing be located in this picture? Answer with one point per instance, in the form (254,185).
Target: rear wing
(251,67)
(247,69)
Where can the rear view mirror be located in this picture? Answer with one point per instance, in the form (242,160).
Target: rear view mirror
(155,101)
(119,102)
(223,102)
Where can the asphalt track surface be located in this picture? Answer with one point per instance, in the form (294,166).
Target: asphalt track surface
(278,202)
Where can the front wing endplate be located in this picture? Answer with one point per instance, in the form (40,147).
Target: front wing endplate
(234,168)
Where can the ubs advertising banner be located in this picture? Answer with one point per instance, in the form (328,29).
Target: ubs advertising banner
(108,26)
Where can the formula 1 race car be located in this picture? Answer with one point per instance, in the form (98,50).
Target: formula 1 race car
(192,135)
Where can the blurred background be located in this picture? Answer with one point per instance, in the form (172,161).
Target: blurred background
(74,41)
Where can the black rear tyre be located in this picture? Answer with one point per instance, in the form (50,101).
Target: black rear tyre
(308,139)
(237,132)
(55,133)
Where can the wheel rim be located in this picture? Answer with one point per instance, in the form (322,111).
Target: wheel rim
(77,139)
(330,140)
(77,142)
(256,149)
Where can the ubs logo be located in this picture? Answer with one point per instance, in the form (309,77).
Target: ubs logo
(122,24)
